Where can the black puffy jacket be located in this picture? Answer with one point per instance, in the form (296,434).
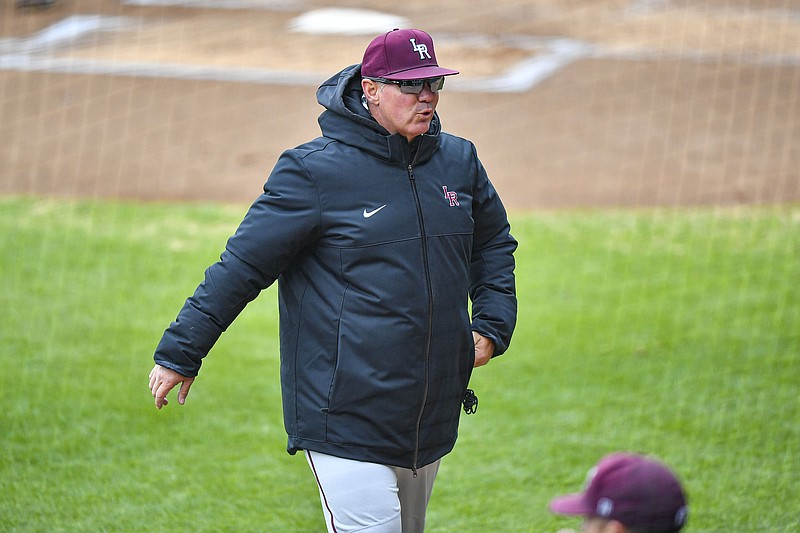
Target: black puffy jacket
(376,244)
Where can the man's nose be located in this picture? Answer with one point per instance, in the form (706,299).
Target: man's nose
(426,94)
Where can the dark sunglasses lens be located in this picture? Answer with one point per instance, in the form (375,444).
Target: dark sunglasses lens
(415,86)
(411,86)
(436,84)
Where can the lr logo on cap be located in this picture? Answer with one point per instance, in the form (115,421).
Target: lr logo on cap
(422,49)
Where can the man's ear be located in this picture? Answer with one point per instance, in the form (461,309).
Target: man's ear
(370,89)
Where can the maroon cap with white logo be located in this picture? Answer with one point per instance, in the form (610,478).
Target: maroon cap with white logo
(633,489)
(402,55)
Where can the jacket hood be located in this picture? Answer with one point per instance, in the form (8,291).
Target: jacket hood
(345,119)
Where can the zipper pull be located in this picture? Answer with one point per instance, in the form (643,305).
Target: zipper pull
(410,172)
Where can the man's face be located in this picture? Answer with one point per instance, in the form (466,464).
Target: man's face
(408,114)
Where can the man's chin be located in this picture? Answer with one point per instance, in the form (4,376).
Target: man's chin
(420,127)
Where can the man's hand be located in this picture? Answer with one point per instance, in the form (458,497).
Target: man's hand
(163,380)
(484,349)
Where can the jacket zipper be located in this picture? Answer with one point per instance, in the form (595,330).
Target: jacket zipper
(424,242)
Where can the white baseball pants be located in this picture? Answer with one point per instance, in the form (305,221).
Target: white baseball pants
(369,497)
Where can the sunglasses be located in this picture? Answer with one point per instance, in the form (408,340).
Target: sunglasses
(415,86)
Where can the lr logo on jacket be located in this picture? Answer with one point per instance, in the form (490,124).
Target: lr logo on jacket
(452,196)
(421,49)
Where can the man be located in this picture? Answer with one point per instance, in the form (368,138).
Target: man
(378,232)
(627,493)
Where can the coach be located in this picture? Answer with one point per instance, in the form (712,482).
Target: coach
(379,233)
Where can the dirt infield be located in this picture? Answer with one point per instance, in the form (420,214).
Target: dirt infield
(652,103)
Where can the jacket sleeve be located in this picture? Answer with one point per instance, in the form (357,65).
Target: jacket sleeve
(492,286)
(279,224)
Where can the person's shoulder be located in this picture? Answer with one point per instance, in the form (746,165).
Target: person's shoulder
(453,139)
(452,143)
(318,143)
(310,147)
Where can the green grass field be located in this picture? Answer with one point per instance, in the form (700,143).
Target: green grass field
(671,332)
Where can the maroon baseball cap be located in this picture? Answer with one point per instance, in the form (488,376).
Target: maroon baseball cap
(633,489)
(402,55)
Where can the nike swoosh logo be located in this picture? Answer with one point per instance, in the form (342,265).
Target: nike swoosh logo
(368,214)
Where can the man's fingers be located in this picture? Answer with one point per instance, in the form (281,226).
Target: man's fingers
(160,395)
(163,380)
(184,392)
(484,349)
(159,389)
